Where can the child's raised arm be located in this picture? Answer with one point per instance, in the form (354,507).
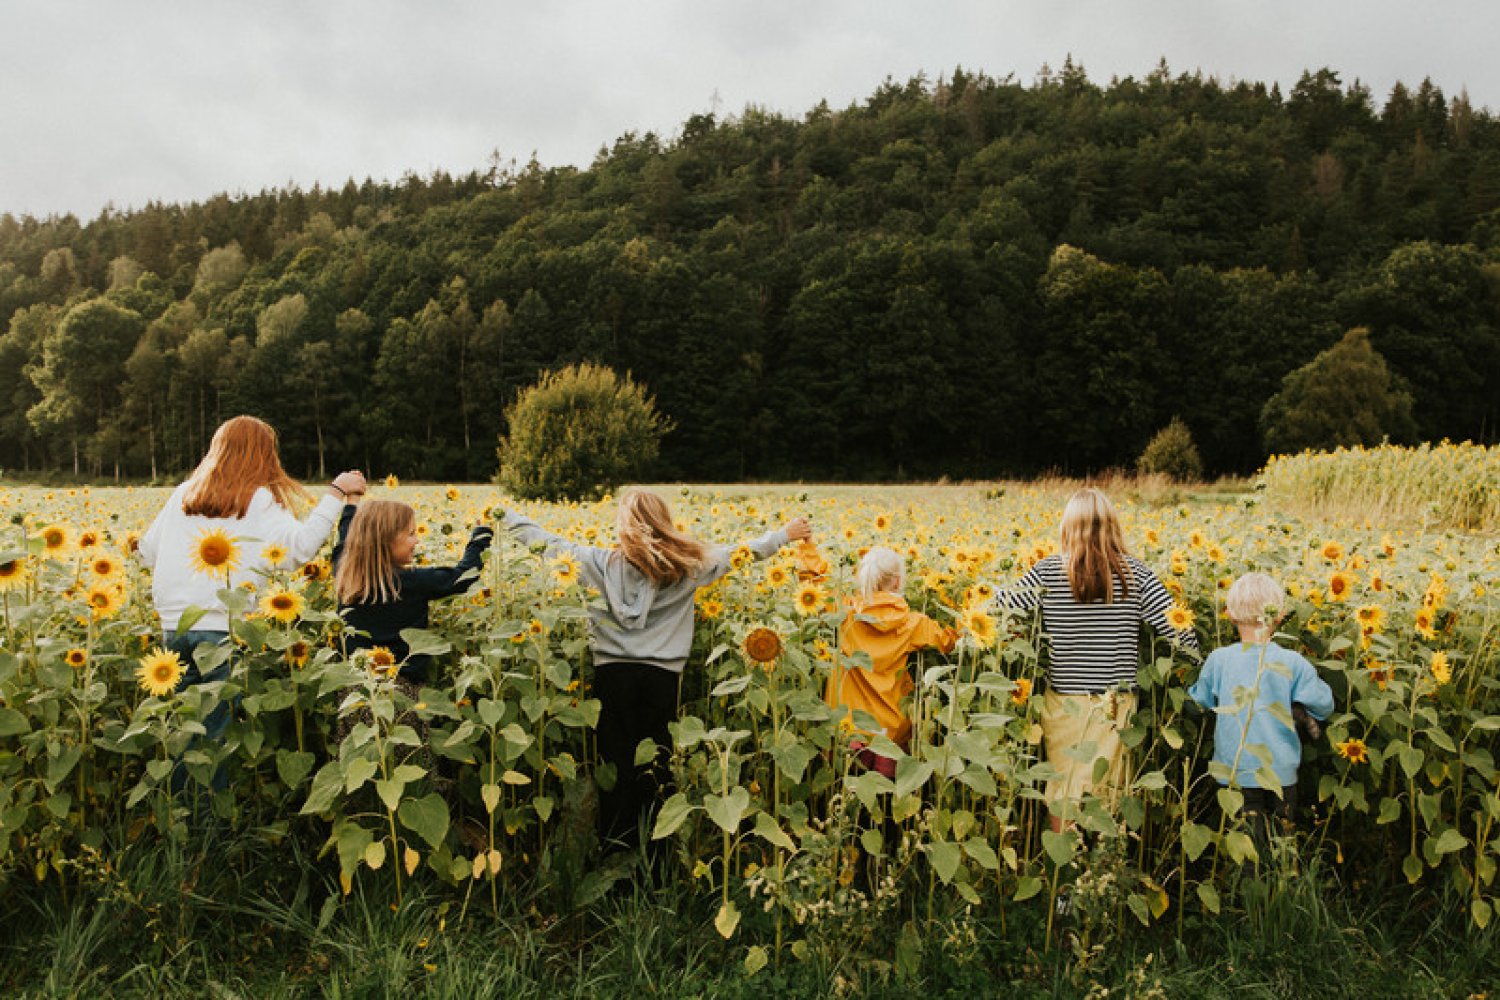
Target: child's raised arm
(721,557)
(445,581)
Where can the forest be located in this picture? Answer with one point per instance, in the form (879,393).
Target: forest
(970,278)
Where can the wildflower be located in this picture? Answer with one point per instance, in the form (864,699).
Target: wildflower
(104,566)
(762,646)
(215,553)
(1371,618)
(13,574)
(809,598)
(1442,670)
(104,601)
(535,627)
(159,672)
(55,540)
(711,608)
(382,661)
(565,570)
(777,575)
(76,658)
(283,605)
(981,626)
(1424,621)
(1354,750)
(1333,552)
(882,523)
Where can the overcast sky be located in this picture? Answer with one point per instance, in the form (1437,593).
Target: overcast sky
(126,102)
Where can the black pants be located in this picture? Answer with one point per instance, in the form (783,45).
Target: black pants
(637,700)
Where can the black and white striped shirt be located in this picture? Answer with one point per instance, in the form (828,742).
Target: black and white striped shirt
(1094,647)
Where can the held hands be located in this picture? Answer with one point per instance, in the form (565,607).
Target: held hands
(798,528)
(351,484)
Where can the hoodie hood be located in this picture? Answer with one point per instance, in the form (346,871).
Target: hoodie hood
(629,593)
(884,613)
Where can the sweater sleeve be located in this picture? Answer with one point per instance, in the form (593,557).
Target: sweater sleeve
(273,523)
(720,557)
(345,517)
(1310,689)
(591,559)
(1156,601)
(1024,595)
(445,581)
(149,547)
(930,635)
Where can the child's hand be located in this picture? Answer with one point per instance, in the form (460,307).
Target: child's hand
(798,528)
(350,483)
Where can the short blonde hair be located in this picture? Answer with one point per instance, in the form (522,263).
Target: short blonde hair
(880,571)
(1255,599)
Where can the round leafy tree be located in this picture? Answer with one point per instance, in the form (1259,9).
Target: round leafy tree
(1173,453)
(577,433)
(1345,396)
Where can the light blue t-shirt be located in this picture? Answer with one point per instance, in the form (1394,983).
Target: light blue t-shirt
(1285,677)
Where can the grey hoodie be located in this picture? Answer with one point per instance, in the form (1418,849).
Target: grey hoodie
(639,622)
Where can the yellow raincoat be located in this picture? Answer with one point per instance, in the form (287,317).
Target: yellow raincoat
(888,631)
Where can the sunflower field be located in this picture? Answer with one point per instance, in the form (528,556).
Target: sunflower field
(469,790)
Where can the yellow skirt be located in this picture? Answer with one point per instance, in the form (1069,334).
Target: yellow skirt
(1080,730)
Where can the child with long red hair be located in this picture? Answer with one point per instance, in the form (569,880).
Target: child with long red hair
(228,525)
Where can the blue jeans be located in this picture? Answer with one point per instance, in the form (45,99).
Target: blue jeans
(184,644)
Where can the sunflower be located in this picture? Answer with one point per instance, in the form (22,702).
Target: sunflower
(283,605)
(297,653)
(55,540)
(1180,618)
(762,646)
(13,574)
(318,570)
(535,627)
(777,575)
(103,601)
(215,553)
(88,540)
(981,626)
(1022,693)
(1424,621)
(75,658)
(1371,618)
(159,672)
(382,661)
(565,570)
(1442,670)
(273,554)
(979,595)
(1354,750)
(1332,551)
(711,608)
(882,523)
(809,598)
(391,482)
(104,566)
(742,557)
(1339,585)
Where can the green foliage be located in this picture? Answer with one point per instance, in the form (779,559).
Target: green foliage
(579,432)
(1345,396)
(1172,452)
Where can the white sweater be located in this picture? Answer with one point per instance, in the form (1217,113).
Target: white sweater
(168,545)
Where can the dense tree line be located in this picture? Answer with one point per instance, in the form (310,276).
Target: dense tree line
(971,277)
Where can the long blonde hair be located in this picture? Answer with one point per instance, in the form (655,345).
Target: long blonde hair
(651,543)
(1093,548)
(241,459)
(367,573)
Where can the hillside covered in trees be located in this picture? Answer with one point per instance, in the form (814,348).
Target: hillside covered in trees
(973,277)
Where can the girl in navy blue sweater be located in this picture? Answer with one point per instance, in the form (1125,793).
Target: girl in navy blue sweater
(379,592)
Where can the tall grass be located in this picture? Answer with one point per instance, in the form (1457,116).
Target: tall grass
(1430,486)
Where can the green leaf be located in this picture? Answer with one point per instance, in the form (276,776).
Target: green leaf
(425,643)
(1481,911)
(1412,868)
(1195,838)
(909,952)
(1448,841)
(13,723)
(645,752)
(946,857)
(727,810)
(427,817)
(356,772)
(293,767)
(911,774)
(983,853)
(1231,800)
(1027,886)
(755,960)
(61,764)
(1240,847)
(390,792)
(727,920)
(491,796)
(767,829)
(1059,846)
(733,685)
(673,812)
(1209,897)
(326,786)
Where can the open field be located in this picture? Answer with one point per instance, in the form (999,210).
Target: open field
(368,860)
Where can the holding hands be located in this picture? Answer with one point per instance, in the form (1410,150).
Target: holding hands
(798,528)
(350,485)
